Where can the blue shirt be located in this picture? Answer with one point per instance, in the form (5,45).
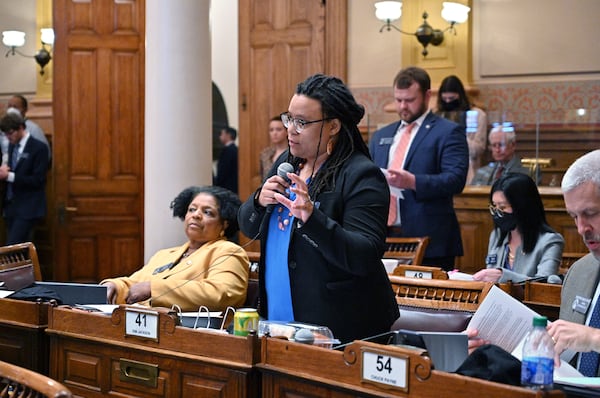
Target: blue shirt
(277,277)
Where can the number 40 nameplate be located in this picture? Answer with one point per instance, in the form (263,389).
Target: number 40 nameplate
(381,368)
(141,323)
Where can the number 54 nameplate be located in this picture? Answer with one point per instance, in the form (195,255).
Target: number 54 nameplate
(381,368)
(141,323)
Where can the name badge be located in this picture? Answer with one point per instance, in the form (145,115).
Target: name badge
(491,259)
(386,141)
(581,304)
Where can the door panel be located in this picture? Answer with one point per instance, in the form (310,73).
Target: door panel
(99,144)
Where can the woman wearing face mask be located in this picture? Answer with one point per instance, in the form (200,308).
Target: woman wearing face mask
(522,245)
(453,104)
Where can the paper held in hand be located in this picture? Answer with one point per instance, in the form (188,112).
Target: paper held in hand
(505,321)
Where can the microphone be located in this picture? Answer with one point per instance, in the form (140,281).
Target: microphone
(555,279)
(304,336)
(283,169)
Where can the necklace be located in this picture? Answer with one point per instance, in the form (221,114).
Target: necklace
(188,252)
(282,223)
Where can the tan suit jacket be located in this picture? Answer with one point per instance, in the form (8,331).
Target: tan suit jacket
(215,275)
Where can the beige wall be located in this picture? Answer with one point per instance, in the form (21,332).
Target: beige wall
(373,57)
(224,54)
(17,73)
(541,30)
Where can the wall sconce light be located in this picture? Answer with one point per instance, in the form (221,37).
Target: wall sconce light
(454,13)
(14,39)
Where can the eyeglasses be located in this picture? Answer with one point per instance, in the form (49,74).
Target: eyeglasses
(299,124)
(10,132)
(497,211)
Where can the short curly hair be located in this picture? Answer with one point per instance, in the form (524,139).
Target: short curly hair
(228,203)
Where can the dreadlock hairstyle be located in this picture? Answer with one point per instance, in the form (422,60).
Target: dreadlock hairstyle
(337,102)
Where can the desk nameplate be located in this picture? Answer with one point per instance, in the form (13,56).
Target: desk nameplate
(418,274)
(382,368)
(141,323)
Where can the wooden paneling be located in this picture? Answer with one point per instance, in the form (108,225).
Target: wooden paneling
(91,354)
(22,340)
(99,139)
(298,370)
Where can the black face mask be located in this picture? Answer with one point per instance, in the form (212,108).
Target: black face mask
(451,105)
(506,223)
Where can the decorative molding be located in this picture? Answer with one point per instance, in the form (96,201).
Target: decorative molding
(555,102)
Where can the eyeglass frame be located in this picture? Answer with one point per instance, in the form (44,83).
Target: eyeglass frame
(286,118)
(496,211)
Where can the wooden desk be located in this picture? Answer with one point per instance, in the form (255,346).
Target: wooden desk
(543,298)
(476,224)
(22,340)
(295,370)
(92,356)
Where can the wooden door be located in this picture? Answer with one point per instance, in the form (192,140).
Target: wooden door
(98,138)
(280,44)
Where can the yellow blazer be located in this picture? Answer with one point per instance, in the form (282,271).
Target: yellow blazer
(215,275)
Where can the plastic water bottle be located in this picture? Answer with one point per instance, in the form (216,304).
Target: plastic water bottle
(537,366)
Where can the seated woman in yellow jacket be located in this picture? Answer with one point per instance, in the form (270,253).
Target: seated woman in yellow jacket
(207,270)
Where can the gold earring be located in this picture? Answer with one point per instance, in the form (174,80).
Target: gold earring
(222,232)
(330,145)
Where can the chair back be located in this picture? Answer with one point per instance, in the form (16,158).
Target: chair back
(18,255)
(439,294)
(20,382)
(407,250)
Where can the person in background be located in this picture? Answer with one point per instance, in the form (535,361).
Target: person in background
(427,158)
(453,104)
(322,233)
(503,144)
(279,144)
(25,176)
(578,328)
(207,270)
(227,165)
(522,244)
(19,104)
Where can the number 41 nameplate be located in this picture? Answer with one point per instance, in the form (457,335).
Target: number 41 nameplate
(141,323)
(381,368)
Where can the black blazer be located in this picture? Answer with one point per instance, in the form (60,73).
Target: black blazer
(337,278)
(29,186)
(227,168)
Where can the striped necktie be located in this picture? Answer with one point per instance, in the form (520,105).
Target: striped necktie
(397,162)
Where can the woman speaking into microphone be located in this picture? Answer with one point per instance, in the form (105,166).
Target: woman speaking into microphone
(322,229)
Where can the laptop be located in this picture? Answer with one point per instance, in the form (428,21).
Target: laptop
(77,293)
(447,350)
